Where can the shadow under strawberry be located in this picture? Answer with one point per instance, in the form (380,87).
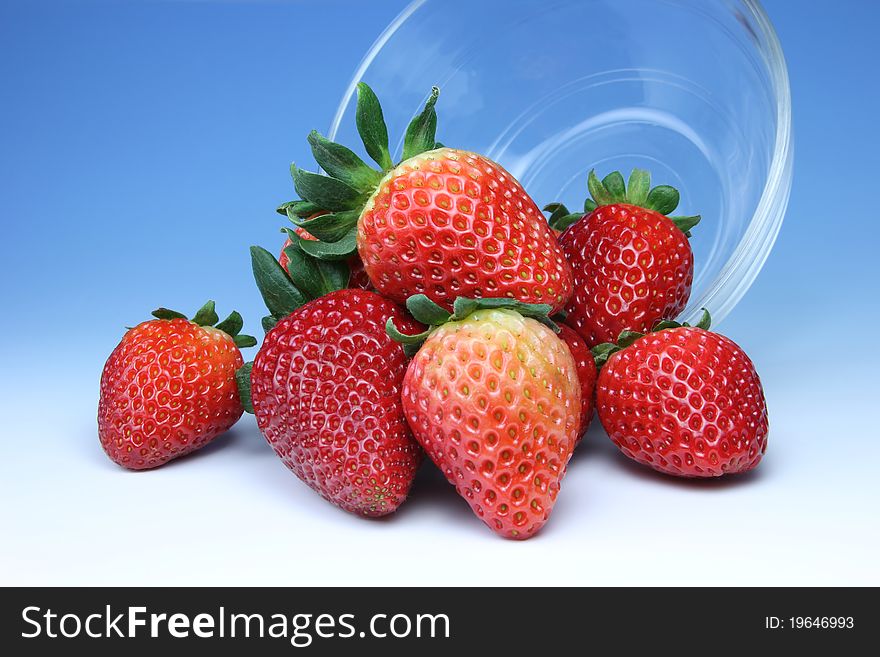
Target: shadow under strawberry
(605,451)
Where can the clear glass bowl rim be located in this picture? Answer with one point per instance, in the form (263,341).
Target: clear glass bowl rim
(754,247)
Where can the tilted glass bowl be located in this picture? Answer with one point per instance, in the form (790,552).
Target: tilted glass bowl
(695,92)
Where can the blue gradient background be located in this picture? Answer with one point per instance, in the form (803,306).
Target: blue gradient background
(144,145)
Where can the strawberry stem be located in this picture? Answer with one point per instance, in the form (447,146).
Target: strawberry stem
(343,192)
(207,316)
(602,352)
(429,313)
(636,191)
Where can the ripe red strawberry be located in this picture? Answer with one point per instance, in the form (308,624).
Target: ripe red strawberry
(169,387)
(684,401)
(283,257)
(586,371)
(493,398)
(443,222)
(632,264)
(357,276)
(325,389)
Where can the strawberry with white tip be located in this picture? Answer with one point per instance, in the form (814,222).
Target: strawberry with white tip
(493,397)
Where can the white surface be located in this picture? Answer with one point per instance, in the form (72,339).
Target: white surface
(233,514)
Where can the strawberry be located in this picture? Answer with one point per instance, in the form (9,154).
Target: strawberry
(325,389)
(357,276)
(295,278)
(632,264)
(493,398)
(682,400)
(586,371)
(169,387)
(283,257)
(443,222)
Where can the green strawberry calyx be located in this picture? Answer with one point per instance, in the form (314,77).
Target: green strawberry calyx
(243,381)
(636,191)
(207,316)
(349,181)
(433,316)
(314,278)
(602,352)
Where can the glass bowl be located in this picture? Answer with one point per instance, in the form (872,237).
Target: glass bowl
(695,92)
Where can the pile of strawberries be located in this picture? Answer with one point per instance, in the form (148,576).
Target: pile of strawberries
(429,307)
